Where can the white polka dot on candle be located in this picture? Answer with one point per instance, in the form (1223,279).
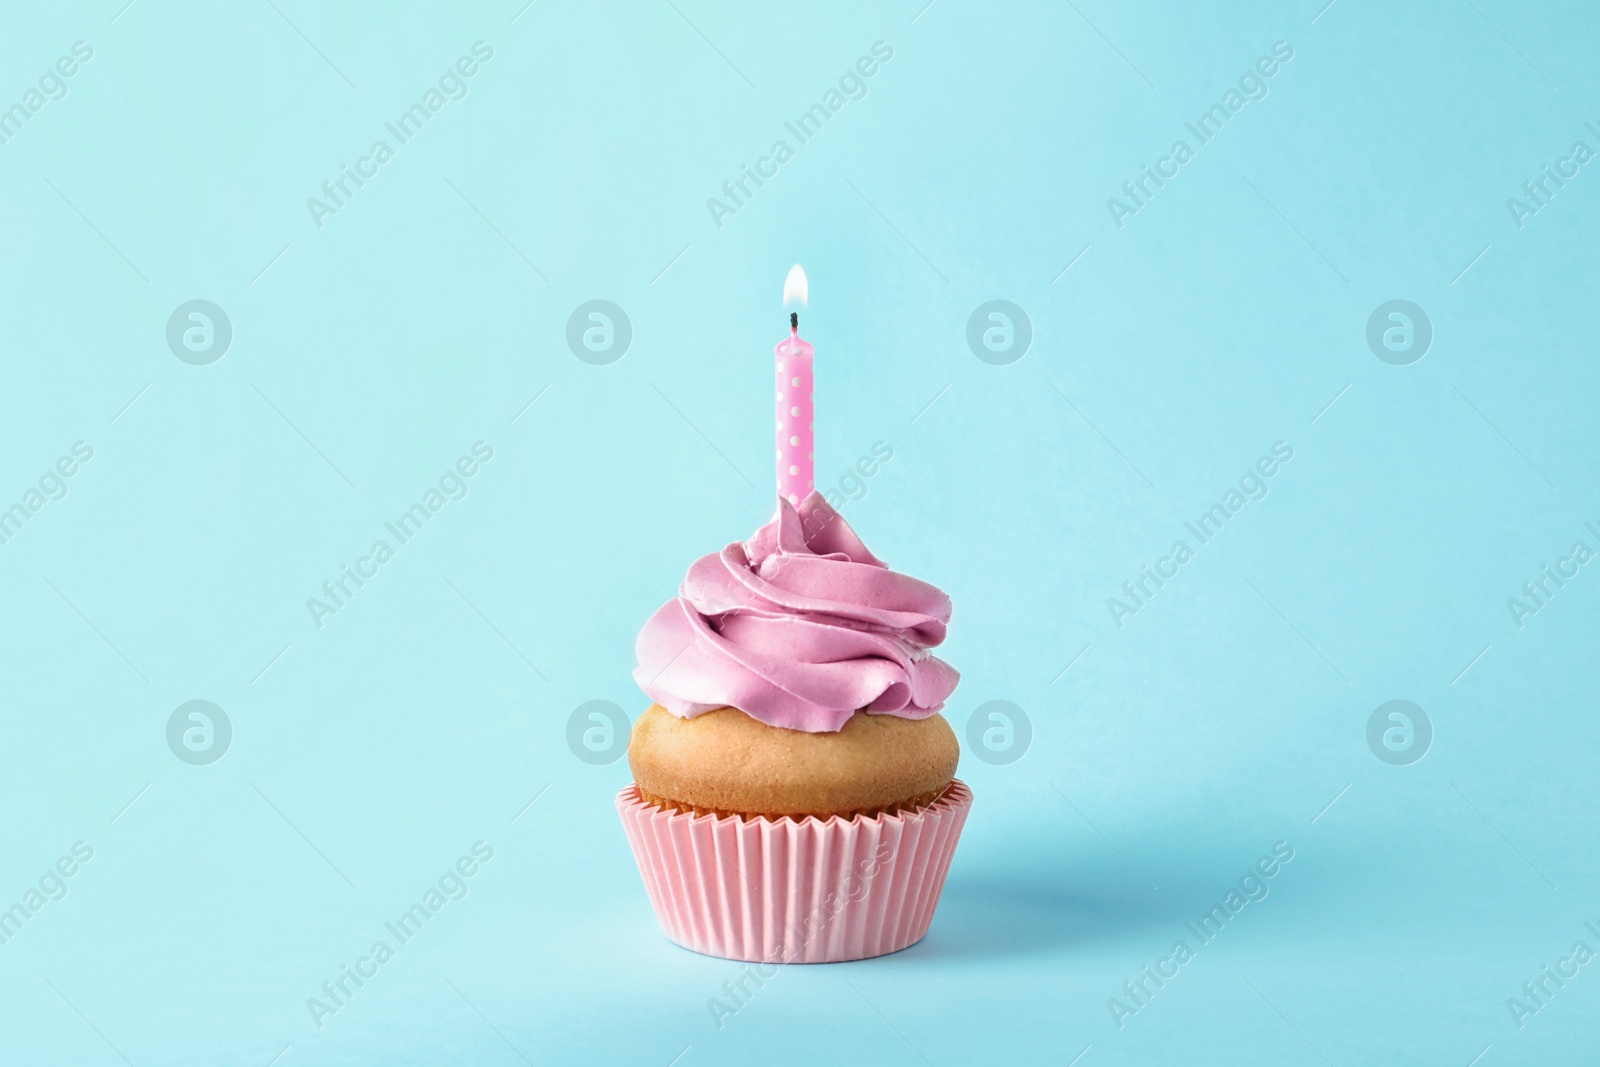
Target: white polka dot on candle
(794,440)
(796,411)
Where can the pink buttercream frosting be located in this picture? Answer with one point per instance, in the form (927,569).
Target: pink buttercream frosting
(800,627)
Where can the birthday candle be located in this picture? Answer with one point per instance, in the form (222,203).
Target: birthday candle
(796,426)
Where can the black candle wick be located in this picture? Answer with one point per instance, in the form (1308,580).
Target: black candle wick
(794,320)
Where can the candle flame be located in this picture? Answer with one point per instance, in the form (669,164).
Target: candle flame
(795,288)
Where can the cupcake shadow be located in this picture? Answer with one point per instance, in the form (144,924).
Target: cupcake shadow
(989,918)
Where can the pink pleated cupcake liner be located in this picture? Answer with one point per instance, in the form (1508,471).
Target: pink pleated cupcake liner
(795,890)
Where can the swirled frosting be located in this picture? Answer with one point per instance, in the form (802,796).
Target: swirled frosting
(799,627)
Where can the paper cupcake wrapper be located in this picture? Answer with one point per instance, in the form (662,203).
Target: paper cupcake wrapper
(795,890)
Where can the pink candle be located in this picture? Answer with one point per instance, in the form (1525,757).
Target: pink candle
(796,428)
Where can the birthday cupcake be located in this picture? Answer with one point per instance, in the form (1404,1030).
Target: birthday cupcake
(794,795)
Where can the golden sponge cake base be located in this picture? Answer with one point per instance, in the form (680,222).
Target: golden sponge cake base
(725,762)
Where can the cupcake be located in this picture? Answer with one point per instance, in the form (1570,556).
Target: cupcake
(794,794)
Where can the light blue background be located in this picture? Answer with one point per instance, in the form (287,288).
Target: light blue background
(1225,716)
